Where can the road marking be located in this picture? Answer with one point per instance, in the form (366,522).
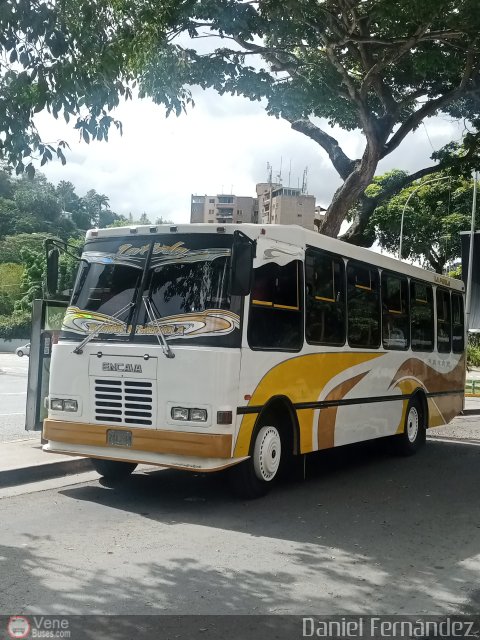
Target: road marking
(14,393)
(14,413)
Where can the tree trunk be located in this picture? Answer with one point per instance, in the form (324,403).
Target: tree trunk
(357,232)
(350,191)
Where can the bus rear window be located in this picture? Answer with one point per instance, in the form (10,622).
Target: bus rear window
(444,324)
(458,324)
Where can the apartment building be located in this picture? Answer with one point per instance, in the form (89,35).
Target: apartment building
(285,205)
(274,204)
(223,208)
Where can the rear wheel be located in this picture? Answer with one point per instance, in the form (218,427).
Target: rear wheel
(414,431)
(254,477)
(113,470)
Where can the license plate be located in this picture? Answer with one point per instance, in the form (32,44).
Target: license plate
(117,438)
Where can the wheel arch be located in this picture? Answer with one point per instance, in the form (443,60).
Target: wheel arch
(280,407)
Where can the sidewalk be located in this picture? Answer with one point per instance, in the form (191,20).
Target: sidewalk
(23,461)
(472,406)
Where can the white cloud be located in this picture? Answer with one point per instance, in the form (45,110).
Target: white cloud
(222,144)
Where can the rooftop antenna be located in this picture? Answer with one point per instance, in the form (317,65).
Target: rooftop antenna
(304,180)
(279,174)
(269,173)
(289,173)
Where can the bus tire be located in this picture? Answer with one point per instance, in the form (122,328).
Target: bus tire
(113,470)
(254,477)
(414,432)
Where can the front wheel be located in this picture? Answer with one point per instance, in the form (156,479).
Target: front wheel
(414,433)
(20,354)
(254,477)
(113,470)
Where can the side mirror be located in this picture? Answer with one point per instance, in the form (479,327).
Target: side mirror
(52,271)
(243,252)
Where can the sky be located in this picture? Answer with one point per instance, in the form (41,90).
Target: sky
(223,144)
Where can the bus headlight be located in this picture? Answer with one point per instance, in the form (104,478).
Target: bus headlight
(70,405)
(179,413)
(57,404)
(192,415)
(198,415)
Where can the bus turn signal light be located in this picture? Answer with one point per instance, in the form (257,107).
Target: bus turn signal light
(224,417)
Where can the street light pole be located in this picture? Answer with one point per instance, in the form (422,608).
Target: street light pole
(406,204)
(468,301)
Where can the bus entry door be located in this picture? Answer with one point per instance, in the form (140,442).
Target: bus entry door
(47,318)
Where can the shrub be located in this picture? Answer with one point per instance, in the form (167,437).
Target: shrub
(473,350)
(17,325)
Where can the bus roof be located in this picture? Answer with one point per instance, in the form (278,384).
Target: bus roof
(289,234)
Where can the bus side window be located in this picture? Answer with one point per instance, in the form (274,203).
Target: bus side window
(444,322)
(421,316)
(275,319)
(458,324)
(395,326)
(325,298)
(363,303)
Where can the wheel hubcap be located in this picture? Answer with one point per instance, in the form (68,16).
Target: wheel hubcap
(412,424)
(267,453)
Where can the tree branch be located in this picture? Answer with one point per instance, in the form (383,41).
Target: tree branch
(430,35)
(430,107)
(342,163)
(392,57)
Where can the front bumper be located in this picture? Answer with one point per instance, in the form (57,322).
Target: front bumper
(185,450)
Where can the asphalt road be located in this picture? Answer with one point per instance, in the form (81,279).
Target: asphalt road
(13,396)
(366,533)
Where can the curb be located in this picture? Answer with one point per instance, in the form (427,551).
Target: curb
(470,412)
(47,471)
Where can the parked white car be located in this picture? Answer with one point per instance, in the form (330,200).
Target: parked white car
(23,351)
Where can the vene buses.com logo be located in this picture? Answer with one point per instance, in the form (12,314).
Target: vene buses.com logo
(18,627)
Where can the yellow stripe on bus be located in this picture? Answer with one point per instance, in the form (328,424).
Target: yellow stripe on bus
(301,379)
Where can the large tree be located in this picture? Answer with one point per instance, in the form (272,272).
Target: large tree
(378,66)
(435,212)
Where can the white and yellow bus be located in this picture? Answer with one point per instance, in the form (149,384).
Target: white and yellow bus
(203,347)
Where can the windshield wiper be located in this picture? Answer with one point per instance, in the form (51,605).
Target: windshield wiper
(160,337)
(79,349)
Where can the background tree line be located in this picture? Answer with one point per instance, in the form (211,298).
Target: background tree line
(31,210)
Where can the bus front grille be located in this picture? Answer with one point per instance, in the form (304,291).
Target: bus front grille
(124,401)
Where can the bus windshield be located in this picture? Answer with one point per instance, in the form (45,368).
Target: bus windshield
(184,283)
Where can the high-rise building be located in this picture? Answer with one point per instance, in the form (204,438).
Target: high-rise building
(274,204)
(285,205)
(223,208)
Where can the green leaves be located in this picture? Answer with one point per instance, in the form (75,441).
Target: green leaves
(438,209)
